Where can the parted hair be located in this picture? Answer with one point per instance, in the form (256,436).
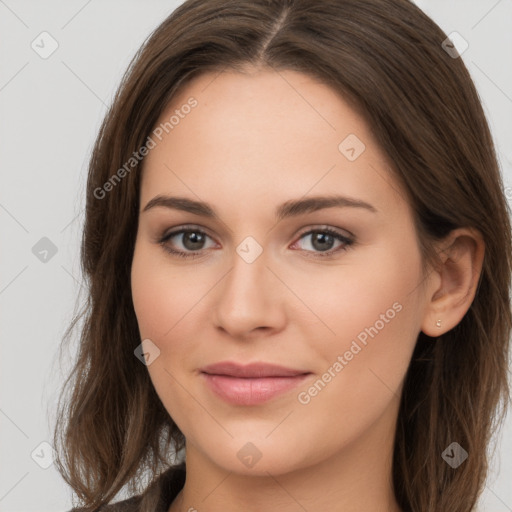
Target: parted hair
(386,58)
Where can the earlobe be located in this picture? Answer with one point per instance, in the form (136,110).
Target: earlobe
(461,256)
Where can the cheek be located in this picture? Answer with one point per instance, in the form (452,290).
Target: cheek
(371,312)
(162,295)
(161,306)
(366,290)
(372,307)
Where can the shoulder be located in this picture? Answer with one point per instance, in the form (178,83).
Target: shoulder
(162,493)
(129,505)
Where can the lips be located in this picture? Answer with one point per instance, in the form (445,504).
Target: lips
(251,384)
(254,370)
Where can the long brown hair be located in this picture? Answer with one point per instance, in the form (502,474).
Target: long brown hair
(386,58)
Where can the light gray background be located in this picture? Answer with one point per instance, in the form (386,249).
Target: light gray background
(51,110)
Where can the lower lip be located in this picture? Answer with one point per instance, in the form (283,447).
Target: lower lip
(243,391)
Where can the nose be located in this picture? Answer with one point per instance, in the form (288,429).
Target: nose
(250,299)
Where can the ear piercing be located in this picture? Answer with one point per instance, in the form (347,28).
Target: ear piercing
(438,323)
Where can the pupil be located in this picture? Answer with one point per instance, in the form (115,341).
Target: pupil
(323,238)
(195,239)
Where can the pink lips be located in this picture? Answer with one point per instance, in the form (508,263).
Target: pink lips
(251,384)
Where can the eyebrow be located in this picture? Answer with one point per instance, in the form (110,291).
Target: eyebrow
(290,208)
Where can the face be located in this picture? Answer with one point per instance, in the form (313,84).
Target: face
(330,291)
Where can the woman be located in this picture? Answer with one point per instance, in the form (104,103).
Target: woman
(299,257)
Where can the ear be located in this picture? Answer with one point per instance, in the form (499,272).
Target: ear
(456,281)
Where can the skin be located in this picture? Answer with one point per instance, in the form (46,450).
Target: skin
(254,141)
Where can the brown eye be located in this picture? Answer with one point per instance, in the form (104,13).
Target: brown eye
(323,240)
(187,241)
(192,240)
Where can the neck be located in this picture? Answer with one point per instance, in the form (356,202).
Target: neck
(356,478)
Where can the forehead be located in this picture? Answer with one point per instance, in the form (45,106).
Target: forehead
(264,134)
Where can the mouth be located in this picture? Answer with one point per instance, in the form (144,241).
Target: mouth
(250,384)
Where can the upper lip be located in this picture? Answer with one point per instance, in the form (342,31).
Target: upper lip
(253,370)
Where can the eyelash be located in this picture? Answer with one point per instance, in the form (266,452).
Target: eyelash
(347,242)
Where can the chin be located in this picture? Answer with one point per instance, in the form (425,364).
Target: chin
(259,458)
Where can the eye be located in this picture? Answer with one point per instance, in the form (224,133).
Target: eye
(322,241)
(192,240)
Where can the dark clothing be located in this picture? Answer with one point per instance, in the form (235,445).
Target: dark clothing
(161,494)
